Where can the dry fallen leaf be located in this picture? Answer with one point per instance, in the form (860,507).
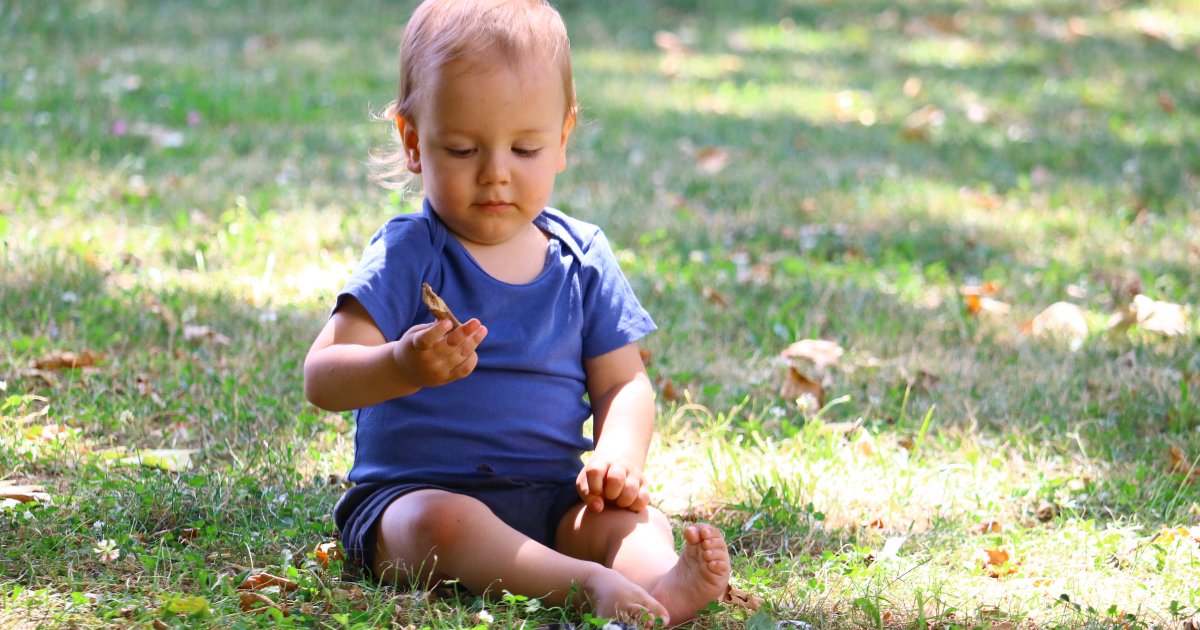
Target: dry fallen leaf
(1180,463)
(62,360)
(204,334)
(1046,511)
(1063,320)
(1166,102)
(24,494)
(1168,535)
(715,297)
(257,602)
(743,599)
(821,352)
(327,552)
(997,562)
(796,386)
(437,307)
(711,160)
(990,526)
(1160,317)
(864,445)
(260,581)
(918,124)
(978,303)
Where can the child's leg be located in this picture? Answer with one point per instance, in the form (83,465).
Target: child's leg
(433,535)
(640,546)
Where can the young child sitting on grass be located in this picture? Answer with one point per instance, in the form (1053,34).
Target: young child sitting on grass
(469,438)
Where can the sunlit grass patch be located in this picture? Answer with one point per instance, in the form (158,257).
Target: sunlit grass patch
(183,190)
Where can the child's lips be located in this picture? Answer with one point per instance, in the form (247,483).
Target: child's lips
(494,206)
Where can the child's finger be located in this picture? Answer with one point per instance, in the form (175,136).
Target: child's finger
(628,496)
(614,482)
(643,499)
(435,332)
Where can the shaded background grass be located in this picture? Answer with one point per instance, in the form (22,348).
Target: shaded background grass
(770,171)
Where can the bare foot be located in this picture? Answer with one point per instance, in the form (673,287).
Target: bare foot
(700,577)
(613,596)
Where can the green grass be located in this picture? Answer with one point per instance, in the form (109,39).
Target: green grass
(167,165)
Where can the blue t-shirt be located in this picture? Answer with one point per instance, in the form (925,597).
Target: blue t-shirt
(521,412)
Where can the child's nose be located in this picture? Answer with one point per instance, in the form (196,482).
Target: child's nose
(495,169)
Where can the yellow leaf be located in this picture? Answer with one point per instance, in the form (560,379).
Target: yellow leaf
(173,459)
(187,605)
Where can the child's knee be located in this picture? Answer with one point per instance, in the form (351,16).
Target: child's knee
(437,518)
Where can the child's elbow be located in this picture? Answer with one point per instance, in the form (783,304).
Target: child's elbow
(312,387)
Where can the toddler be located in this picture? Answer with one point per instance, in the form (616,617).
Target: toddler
(469,438)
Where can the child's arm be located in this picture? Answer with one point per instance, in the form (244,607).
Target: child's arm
(623,416)
(352,365)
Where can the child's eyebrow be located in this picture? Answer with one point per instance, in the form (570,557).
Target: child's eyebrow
(520,132)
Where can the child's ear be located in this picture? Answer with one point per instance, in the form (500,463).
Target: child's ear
(410,140)
(568,126)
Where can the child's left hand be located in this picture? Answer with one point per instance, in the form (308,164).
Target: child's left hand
(613,480)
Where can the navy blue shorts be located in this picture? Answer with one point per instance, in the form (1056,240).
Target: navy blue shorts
(532,507)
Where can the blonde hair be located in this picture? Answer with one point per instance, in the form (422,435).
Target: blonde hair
(481,31)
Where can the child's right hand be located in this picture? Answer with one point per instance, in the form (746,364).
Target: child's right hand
(429,355)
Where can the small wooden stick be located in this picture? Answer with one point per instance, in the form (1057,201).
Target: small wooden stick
(437,306)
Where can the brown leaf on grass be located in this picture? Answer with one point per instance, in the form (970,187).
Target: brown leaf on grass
(257,602)
(982,200)
(997,562)
(1180,463)
(1160,317)
(204,334)
(821,352)
(669,391)
(24,494)
(62,360)
(1166,102)
(1046,511)
(327,552)
(711,160)
(918,125)
(670,43)
(796,386)
(977,300)
(990,526)
(864,446)
(742,599)
(714,296)
(260,581)
(1062,320)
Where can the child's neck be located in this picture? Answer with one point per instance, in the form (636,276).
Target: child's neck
(519,260)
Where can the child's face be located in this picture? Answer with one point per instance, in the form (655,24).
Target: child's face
(488,142)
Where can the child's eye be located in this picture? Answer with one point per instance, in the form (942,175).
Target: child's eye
(527,153)
(459,153)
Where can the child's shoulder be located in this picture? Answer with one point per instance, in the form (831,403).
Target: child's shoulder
(578,234)
(412,230)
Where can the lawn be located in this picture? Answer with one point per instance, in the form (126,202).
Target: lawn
(184,187)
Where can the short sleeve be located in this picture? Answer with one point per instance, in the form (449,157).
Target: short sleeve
(613,315)
(387,281)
